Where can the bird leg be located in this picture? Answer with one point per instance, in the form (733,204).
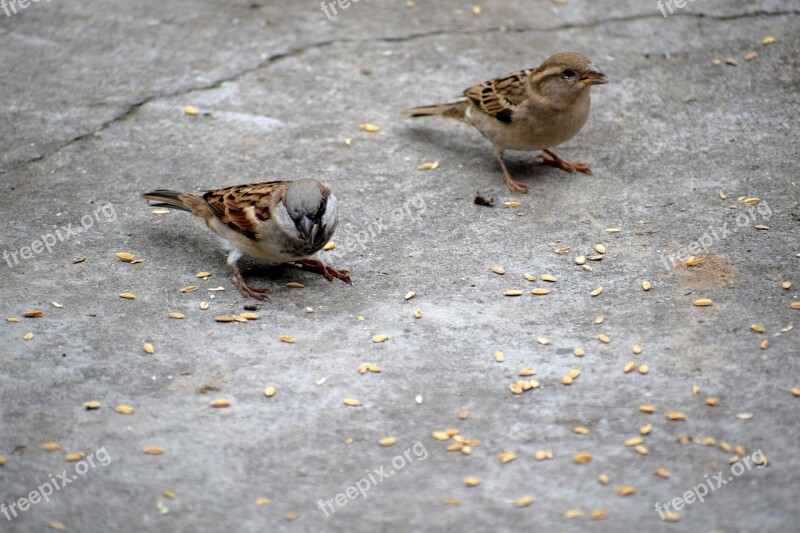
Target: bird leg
(318,267)
(511,183)
(563,164)
(244,288)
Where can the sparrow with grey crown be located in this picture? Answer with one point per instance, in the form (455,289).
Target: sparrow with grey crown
(534,109)
(277,222)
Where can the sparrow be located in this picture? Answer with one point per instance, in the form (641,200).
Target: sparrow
(277,222)
(533,109)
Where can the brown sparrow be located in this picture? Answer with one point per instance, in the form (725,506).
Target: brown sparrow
(534,109)
(277,221)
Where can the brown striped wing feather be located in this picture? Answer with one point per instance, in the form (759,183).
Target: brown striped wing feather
(245,208)
(499,98)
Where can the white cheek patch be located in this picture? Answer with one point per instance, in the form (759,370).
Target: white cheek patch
(330,217)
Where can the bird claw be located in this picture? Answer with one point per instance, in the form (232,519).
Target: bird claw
(319,267)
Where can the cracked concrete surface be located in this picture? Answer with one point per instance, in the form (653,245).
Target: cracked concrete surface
(92,116)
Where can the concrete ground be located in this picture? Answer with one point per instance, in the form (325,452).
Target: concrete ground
(92,115)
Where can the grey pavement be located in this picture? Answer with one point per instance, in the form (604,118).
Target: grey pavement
(92,115)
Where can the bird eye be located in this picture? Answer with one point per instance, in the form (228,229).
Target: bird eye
(569,73)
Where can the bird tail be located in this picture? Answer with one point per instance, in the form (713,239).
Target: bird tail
(177,200)
(454,110)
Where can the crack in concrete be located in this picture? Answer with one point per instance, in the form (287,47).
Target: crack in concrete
(293,52)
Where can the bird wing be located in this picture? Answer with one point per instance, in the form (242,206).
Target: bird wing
(500,97)
(245,208)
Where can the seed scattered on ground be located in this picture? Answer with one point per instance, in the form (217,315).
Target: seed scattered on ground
(189,288)
(637,349)
(573,513)
(36,313)
(662,472)
(543,455)
(124,409)
(149,348)
(506,457)
(768,41)
(549,277)
(613,230)
(683,439)
(329,246)
(582,458)
(527,372)
(153,450)
(599,319)
(604,338)
(675,415)
(599,514)
(451,501)
(54,524)
(224,318)
(574,373)
(28,336)
(351,402)
(580,430)
(512,205)
(646,285)
(646,429)
(764,344)
(744,416)
(634,441)
(540,292)
(795,305)
(600,249)
(641,449)
(544,341)
(603,479)
(795,391)
(566,380)
(529,277)
(580,260)
(625,490)
(204,306)
(418,399)
(262,500)
(295,285)
(513,292)
(417,313)
(191,110)
(369,128)
(703,302)
(51,446)
(712,401)
(647,409)
(387,441)
(288,339)
(750,56)
(524,501)
(220,402)
(786,285)
(75,456)
(730,61)
(694,261)
(292,515)
(269,392)
(644,369)
(671,517)
(499,356)
(125,257)
(578,352)
(3,460)
(12,319)
(409,295)
(178,316)
(433,165)
(128,296)
(472,482)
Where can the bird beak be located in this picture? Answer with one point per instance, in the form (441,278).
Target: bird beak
(594,76)
(309,229)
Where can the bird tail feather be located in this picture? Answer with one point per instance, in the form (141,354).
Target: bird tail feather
(454,110)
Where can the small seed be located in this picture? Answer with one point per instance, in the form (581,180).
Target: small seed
(694,261)
(647,409)
(204,306)
(409,295)
(634,441)
(506,457)
(580,260)
(249,315)
(600,249)
(125,257)
(513,292)
(599,319)
(288,339)
(512,205)
(440,435)
(269,392)
(463,415)
(220,402)
(179,316)
(329,246)
(600,514)
(646,285)
(703,302)
(292,515)
(597,291)
(191,110)
(74,457)
(625,490)
(795,305)
(644,369)
(641,449)
(472,482)
(604,338)
(417,313)
(529,277)
(662,472)
(498,270)
(12,319)
(543,455)
(582,458)
(671,517)
(54,524)
(580,430)
(128,296)
(28,336)
(239,318)
(629,366)
(543,341)
(594,257)
(149,348)
(369,128)
(637,349)
(730,61)
(124,409)
(524,501)
(675,415)
(566,380)
(295,285)
(51,446)
(223,318)
(761,227)
(36,313)
(683,439)
(429,166)
(646,429)
(153,450)
(526,372)
(750,56)
(712,401)
(499,356)
(768,41)
(578,352)
(574,373)
(541,292)
(451,501)
(92,405)
(786,285)
(549,277)
(795,391)
(603,479)
(573,513)
(387,441)
(351,402)
(764,344)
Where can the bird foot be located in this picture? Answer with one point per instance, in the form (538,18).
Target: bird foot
(244,288)
(563,164)
(318,267)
